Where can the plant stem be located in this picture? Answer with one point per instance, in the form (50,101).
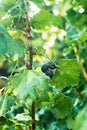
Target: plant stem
(28,35)
(81,95)
(33,116)
(80,61)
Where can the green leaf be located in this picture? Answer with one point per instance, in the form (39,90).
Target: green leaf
(5,104)
(4,40)
(83,37)
(30,84)
(53,126)
(67,74)
(8,46)
(72,35)
(2,29)
(42,20)
(81,3)
(6,4)
(70,122)
(37,1)
(16,48)
(3,43)
(59,21)
(81,120)
(40,50)
(6,22)
(62,107)
(23,118)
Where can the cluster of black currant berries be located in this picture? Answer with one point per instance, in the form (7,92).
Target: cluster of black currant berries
(47,69)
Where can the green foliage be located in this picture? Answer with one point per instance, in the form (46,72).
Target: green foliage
(16,48)
(62,107)
(59,21)
(6,5)
(42,20)
(59,36)
(6,22)
(67,74)
(5,104)
(81,120)
(9,46)
(39,1)
(23,87)
(81,2)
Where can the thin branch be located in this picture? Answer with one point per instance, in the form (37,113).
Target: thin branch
(33,116)
(80,94)
(81,63)
(28,29)
(84,71)
(28,35)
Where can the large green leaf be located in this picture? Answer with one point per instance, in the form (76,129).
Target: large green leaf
(2,29)
(42,20)
(70,122)
(81,120)
(5,104)
(72,35)
(16,48)
(10,46)
(30,84)
(62,107)
(59,21)
(3,44)
(81,3)
(4,40)
(6,22)
(83,37)
(67,74)
(6,4)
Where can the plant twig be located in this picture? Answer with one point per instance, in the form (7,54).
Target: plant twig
(81,63)
(28,35)
(80,94)
(33,116)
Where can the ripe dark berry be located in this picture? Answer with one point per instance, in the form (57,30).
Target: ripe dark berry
(49,73)
(52,65)
(44,68)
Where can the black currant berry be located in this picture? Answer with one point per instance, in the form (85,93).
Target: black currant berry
(49,73)
(44,68)
(52,65)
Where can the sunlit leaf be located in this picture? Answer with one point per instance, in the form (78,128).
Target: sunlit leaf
(28,84)
(81,120)
(5,104)
(10,46)
(59,21)
(42,20)
(67,74)
(62,107)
